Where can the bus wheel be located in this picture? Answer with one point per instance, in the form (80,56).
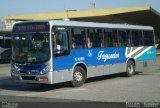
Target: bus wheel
(130,69)
(79,77)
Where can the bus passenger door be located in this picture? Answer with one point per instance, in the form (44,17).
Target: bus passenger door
(61,51)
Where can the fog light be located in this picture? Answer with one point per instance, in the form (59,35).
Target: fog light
(43,79)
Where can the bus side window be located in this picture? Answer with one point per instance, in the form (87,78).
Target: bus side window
(1,42)
(78,38)
(7,43)
(129,38)
(94,38)
(122,36)
(115,38)
(108,39)
(148,38)
(98,38)
(90,38)
(137,38)
(60,43)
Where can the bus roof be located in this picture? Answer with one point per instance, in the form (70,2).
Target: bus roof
(100,25)
(92,24)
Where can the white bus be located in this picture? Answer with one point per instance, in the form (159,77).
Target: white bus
(54,51)
(5,49)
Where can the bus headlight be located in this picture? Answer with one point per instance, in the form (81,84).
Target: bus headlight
(45,70)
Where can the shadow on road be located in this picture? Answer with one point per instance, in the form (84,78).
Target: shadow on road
(106,77)
(8,84)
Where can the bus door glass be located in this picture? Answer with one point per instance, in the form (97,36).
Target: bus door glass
(60,42)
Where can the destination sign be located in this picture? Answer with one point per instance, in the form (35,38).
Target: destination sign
(31,27)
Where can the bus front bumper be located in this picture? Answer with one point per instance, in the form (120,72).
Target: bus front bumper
(37,79)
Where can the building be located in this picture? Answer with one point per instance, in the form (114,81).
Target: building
(6,27)
(143,15)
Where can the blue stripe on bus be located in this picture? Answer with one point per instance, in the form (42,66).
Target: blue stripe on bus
(91,57)
(94,57)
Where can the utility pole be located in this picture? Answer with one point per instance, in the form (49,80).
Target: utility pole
(93,4)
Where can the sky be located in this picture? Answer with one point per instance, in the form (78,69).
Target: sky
(16,7)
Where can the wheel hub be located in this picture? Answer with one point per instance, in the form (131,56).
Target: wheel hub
(130,69)
(78,76)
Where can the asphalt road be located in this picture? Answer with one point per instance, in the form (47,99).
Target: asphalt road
(143,87)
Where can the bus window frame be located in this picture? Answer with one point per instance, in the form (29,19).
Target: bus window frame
(153,37)
(106,30)
(86,33)
(67,30)
(121,36)
(136,30)
(95,28)
(71,37)
(4,39)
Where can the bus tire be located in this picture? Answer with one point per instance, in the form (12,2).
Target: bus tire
(130,68)
(79,77)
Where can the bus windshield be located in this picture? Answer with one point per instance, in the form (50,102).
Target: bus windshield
(30,47)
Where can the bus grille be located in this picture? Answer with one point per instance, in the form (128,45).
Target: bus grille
(26,72)
(28,77)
